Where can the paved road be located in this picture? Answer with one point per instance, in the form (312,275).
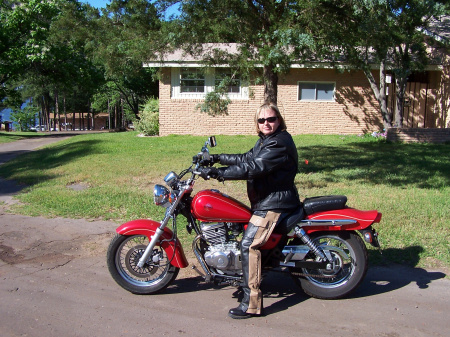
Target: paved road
(54,282)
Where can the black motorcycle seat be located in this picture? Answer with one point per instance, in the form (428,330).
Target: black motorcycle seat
(324,203)
(287,221)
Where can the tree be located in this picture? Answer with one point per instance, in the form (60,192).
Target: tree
(125,34)
(271,34)
(64,68)
(24,29)
(24,118)
(387,33)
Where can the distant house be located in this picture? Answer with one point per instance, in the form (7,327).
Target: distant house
(6,126)
(79,121)
(314,99)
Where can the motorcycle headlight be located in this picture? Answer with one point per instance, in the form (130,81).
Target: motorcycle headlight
(161,196)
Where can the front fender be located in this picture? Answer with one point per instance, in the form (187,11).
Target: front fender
(146,227)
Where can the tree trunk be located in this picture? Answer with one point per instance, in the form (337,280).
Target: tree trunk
(65,113)
(270,85)
(400,88)
(57,111)
(380,94)
(73,114)
(115,116)
(46,109)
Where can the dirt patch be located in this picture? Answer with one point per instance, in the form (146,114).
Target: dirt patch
(80,186)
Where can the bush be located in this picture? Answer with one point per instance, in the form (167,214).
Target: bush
(25,118)
(148,124)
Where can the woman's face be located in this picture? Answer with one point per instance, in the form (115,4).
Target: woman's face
(268,127)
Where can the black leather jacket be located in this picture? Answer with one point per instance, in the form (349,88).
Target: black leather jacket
(269,168)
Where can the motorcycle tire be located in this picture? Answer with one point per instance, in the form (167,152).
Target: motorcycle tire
(349,269)
(123,255)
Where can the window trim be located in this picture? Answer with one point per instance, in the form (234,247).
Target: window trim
(315,83)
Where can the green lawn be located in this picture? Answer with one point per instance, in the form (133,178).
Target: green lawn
(6,137)
(408,183)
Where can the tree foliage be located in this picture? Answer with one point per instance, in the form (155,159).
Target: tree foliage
(24,30)
(126,33)
(273,34)
(67,52)
(270,34)
(387,33)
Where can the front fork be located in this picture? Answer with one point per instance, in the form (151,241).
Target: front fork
(160,230)
(155,239)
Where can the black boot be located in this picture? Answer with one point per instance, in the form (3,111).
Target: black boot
(240,312)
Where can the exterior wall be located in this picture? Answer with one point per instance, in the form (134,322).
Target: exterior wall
(354,110)
(179,116)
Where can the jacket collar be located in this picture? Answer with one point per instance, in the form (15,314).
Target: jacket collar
(264,137)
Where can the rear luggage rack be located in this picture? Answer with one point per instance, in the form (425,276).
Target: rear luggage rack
(342,222)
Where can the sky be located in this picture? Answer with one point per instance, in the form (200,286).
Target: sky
(97,3)
(103,3)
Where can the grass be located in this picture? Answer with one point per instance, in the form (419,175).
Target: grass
(408,183)
(7,137)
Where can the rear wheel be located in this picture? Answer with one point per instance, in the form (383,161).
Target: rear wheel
(349,267)
(123,256)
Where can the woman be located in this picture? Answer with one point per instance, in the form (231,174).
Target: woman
(269,168)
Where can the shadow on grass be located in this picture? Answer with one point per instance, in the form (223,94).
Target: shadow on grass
(47,158)
(394,164)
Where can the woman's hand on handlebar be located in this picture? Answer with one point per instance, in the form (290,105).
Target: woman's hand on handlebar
(205,159)
(209,172)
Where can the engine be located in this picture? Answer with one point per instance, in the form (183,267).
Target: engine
(223,252)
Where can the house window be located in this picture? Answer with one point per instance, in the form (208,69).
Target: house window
(195,83)
(311,91)
(192,80)
(233,81)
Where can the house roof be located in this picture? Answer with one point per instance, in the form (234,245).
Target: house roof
(439,29)
(180,58)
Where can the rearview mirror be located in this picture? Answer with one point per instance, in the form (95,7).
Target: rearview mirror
(212,141)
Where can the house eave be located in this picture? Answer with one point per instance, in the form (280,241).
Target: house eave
(318,65)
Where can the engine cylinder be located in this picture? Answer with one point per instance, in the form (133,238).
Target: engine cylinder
(214,233)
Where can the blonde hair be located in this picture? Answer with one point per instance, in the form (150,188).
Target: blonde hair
(270,106)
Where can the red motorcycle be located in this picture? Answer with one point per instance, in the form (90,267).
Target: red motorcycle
(320,244)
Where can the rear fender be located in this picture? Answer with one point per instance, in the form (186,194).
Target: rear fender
(363,220)
(146,227)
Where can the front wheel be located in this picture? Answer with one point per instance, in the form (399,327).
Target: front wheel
(349,267)
(123,256)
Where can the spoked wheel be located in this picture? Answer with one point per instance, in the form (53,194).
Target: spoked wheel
(123,256)
(349,266)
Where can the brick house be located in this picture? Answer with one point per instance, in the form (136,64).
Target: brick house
(314,99)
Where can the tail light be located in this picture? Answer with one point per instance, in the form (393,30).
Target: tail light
(378,218)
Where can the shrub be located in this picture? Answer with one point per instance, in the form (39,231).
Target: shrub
(148,124)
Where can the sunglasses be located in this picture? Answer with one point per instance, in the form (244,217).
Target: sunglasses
(269,119)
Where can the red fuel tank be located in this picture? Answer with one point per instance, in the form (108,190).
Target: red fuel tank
(211,205)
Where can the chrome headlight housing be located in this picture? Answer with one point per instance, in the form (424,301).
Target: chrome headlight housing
(171,178)
(161,196)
